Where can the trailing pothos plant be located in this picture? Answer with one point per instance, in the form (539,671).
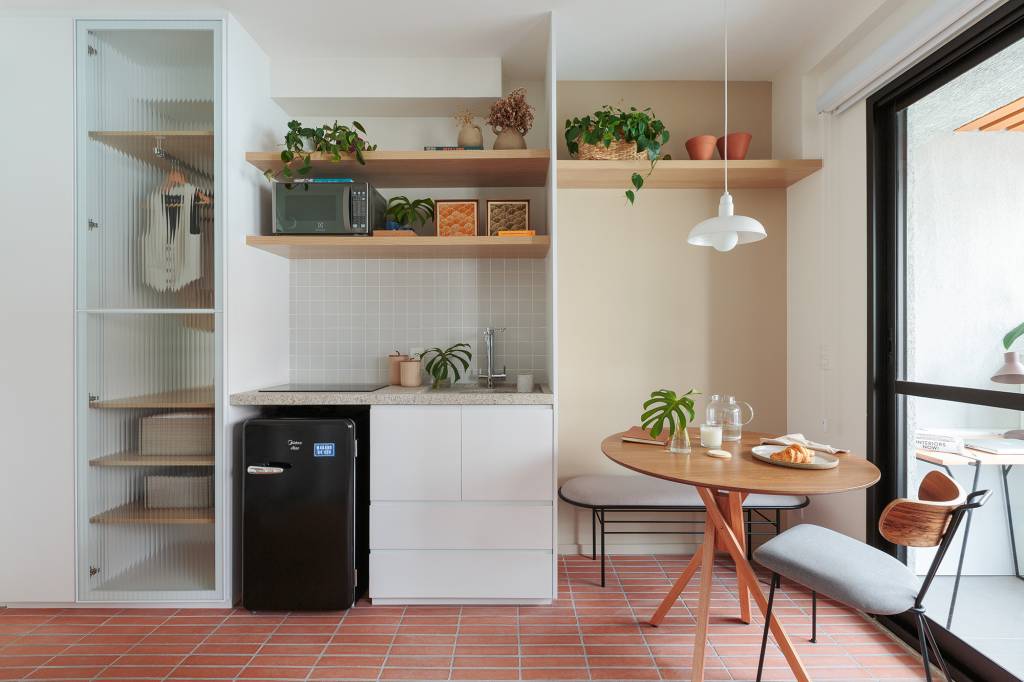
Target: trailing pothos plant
(444,364)
(409,213)
(608,124)
(664,406)
(334,140)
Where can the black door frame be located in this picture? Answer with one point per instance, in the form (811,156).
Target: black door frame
(885,157)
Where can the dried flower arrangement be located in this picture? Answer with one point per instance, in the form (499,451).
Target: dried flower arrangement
(464,118)
(511,112)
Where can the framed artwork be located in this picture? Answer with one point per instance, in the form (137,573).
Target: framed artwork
(505,214)
(455,218)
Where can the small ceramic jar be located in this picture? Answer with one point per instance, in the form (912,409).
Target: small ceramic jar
(411,373)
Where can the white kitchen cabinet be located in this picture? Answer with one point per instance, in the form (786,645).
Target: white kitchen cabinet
(506,452)
(461,504)
(415,452)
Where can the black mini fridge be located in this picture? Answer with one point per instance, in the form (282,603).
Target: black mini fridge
(300,514)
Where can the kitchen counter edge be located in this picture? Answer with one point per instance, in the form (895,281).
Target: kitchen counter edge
(391,395)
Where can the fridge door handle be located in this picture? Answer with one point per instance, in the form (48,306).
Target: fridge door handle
(261,470)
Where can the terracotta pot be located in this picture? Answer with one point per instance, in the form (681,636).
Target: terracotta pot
(701,148)
(509,139)
(738,145)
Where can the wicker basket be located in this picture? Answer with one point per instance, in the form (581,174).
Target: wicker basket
(176,433)
(618,150)
(179,492)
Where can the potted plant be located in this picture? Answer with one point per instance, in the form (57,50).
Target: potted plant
(664,406)
(301,141)
(611,133)
(443,365)
(510,118)
(403,214)
(470,136)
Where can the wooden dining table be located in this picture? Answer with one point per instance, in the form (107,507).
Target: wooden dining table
(723,484)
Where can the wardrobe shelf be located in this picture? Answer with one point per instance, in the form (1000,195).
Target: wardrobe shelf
(187,568)
(184,144)
(457,168)
(305,247)
(134,459)
(137,513)
(200,398)
(747,174)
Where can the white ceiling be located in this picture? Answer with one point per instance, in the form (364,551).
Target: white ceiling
(597,39)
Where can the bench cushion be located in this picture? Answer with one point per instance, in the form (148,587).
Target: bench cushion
(606,490)
(842,568)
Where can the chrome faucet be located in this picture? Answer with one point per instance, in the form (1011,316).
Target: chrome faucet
(490,376)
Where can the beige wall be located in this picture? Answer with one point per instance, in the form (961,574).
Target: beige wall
(688,108)
(639,309)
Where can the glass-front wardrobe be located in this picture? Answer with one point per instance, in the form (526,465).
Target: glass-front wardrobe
(148,321)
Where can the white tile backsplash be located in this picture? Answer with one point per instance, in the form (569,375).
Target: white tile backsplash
(348,315)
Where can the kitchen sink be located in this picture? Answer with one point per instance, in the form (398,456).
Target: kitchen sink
(477,388)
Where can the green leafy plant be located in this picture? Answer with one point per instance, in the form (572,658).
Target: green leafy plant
(1013,335)
(301,141)
(665,406)
(444,364)
(609,124)
(408,213)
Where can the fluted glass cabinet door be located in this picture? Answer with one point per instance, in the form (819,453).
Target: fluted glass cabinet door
(148,323)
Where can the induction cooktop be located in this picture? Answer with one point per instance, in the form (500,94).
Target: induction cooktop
(325,388)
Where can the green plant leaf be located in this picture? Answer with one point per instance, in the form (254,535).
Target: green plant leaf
(1013,335)
(665,406)
(637,180)
(630,196)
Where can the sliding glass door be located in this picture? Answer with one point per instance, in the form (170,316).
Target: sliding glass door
(947,229)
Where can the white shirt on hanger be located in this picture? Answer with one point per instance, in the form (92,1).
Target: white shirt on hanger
(172,239)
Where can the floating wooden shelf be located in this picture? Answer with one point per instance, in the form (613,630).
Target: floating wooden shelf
(749,174)
(134,459)
(137,513)
(304,247)
(186,398)
(140,144)
(468,168)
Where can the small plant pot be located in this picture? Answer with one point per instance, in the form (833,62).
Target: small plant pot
(739,143)
(701,147)
(509,139)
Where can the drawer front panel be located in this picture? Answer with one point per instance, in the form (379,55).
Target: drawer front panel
(460,574)
(459,525)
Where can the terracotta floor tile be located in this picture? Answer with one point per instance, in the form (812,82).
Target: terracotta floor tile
(276,672)
(555,674)
(205,672)
(487,674)
(415,674)
(340,673)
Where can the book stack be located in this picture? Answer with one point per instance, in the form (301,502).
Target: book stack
(449,149)
(937,441)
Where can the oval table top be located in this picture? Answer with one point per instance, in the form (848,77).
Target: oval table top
(742,473)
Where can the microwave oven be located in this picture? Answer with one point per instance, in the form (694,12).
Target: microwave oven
(327,206)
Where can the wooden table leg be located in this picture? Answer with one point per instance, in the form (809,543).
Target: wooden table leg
(677,589)
(735,507)
(745,572)
(707,569)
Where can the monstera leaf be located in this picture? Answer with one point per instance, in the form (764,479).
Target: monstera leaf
(444,364)
(665,406)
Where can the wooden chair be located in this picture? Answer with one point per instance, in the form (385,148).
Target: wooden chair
(866,578)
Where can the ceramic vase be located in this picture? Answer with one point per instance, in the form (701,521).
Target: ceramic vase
(509,139)
(738,145)
(701,147)
(470,136)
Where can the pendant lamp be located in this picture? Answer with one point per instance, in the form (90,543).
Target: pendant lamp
(726,230)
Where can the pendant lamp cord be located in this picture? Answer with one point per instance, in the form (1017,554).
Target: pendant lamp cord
(725,12)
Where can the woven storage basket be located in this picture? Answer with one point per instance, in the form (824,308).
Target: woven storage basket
(179,492)
(176,433)
(618,150)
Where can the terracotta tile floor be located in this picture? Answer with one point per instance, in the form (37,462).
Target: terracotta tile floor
(590,634)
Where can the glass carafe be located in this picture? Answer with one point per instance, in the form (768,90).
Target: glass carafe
(732,410)
(715,411)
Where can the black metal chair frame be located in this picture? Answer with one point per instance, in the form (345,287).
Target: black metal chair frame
(926,639)
(598,515)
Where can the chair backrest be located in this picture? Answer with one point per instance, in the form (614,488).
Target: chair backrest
(931,520)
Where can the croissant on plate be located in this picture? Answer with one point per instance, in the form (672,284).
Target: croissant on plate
(796,453)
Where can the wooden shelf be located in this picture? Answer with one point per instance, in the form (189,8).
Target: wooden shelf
(468,168)
(186,398)
(315,246)
(139,144)
(749,174)
(134,459)
(137,513)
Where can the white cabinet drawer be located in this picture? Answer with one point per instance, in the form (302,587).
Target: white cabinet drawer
(507,453)
(415,452)
(443,575)
(460,525)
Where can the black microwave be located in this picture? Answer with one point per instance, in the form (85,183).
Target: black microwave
(327,206)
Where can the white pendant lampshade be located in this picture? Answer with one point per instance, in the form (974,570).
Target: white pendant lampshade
(1012,371)
(726,230)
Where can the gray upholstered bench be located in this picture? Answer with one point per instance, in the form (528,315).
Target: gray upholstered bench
(605,493)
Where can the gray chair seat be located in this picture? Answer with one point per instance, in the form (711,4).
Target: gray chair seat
(605,490)
(846,570)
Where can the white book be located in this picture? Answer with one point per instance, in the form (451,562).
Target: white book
(997,446)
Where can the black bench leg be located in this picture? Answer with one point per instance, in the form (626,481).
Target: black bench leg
(814,617)
(601,515)
(750,536)
(593,534)
(767,624)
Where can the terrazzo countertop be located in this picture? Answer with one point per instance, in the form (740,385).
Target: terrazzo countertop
(396,395)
